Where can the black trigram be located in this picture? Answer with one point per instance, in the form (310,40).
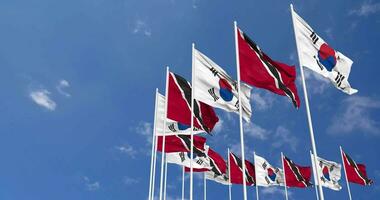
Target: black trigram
(339,79)
(314,37)
(182,156)
(265,165)
(172,128)
(200,162)
(237,105)
(211,91)
(267,180)
(214,71)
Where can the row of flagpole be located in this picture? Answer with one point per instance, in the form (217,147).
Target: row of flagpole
(163,177)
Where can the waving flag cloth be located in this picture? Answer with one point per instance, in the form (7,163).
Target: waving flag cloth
(296,175)
(172,127)
(259,70)
(266,174)
(356,173)
(217,89)
(181,143)
(330,173)
(317,55)
(236,171)
(179,106)
(183,159)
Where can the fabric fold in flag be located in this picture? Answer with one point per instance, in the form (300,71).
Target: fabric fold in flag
(179,105)
(182,143)
(356,173)
(259,70)
(266,174)
(317,55)
(329,173)
(183,159)
(296,175)
(236,169)
(216,88)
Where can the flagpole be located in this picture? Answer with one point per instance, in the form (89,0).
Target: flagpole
(183,183)
(204,186)
(166,175)
(314,175)
(283,168)
(240,113)
(153,146)
(314,148)
(345,173)
(192,121)
(229,175)
(154,165)
(163,137)
(257,187)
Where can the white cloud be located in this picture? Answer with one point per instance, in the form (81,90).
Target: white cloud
(41,98)
(262,100)
(283,137)
(256,131)
(91,186)
(130,181)
(274,190)
(354,114)
(316,83)
(141,27)
(61,86)
(127,149)
(146,130)
(366,8)
(329,33)
(218,127)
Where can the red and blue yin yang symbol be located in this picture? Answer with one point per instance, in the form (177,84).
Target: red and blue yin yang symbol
(271,174)
(326,173)
(225,90)
(326,56)
(182,127)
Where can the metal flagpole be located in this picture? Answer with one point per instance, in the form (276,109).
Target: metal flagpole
(204,186)
(192,121)
(240,113)
(229,175)
(257,187)
(152,160)
(166,175)
(345,173)
(183,183)
(163,137)
(315,177)
(314,148)
(283,168)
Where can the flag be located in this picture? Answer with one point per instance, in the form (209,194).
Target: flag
(236,169)
(296,175)
(329,173)
(172,127)
(266,174)
(356,173)
(259,70)
(181,143)
(315,54)
(179,105)
(216,88)
(183,159)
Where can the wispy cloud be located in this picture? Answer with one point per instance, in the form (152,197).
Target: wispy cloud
(145,129)
(130,180)
(61,86)
(91,186)
(262,100)
(256,131)
(283,137)
(317,83)
(141,27)
(218,127)
(127,149)
(366,8)
(269,191)
(41,97)
(354,114)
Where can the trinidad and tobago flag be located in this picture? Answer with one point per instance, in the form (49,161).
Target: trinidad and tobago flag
(259,70)
(296,175)
(181,143)
(236,169)
(356,173)
(179,105)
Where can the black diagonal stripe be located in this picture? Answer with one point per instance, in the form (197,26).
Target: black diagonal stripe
(367,181)
(186,89)
(187,140)
(272,68)
(297,172)
(249,178)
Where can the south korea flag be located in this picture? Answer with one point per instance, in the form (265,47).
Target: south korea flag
(266,174)
(329,173)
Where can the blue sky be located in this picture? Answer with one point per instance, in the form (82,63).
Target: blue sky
(78,80)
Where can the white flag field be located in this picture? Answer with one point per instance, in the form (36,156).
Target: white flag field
(266,174)
(172,127)
(315,54)
(183,159)
(329,173)
(216,88)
